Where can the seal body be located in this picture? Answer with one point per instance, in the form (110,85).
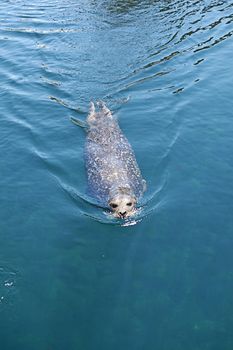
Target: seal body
(110,161)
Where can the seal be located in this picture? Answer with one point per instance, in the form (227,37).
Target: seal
(114,177)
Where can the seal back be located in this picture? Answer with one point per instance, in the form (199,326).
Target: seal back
(109,157)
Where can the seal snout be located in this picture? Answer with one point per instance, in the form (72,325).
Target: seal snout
(122,214)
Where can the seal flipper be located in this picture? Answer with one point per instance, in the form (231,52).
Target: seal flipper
(144,185)
(104,108)
(91,115)
(79,122)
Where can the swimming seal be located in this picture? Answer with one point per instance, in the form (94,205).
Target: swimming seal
(114,177)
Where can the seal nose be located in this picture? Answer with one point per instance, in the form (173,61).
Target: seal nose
(122,214)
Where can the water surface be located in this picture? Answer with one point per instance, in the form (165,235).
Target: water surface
(71,278)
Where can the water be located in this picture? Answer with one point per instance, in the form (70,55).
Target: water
(70,277)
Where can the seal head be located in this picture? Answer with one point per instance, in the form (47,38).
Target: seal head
(122,202)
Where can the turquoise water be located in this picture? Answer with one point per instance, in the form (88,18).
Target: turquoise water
(70,276)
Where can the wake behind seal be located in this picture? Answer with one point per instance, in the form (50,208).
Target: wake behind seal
(114,177)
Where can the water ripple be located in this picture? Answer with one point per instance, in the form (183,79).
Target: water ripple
(37,31)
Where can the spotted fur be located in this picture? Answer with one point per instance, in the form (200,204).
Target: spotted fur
(110,161)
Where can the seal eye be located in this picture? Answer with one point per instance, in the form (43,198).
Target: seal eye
(129,204)
(113,205)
